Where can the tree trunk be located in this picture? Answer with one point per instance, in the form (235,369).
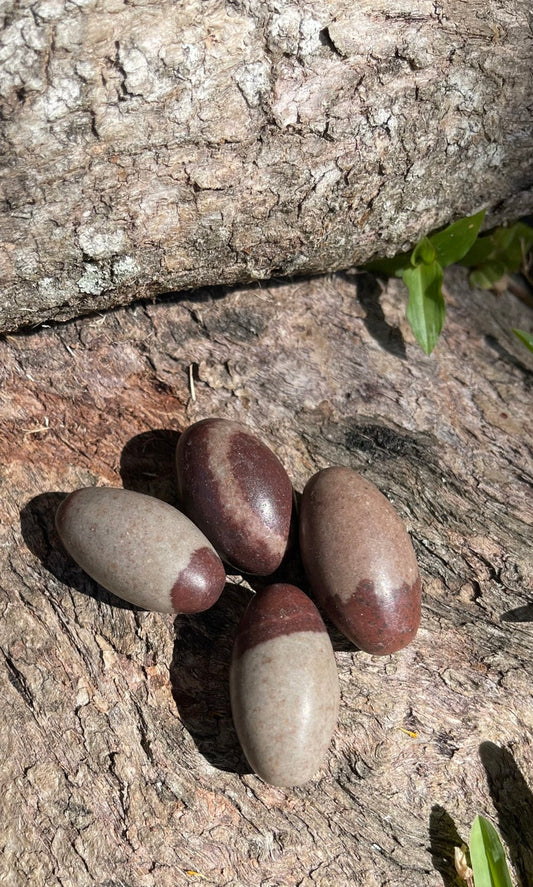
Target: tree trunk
(120,763)
(154,147)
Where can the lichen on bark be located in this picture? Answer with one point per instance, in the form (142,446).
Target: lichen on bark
(155,147)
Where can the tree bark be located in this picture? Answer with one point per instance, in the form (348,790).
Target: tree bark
(154,147)
(120,765)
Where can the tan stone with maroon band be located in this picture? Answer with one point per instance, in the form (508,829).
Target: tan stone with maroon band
(284,686)
(237,491)
(359,560)
(141,549)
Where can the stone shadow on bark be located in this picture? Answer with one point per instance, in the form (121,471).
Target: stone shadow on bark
(37,524)
(504,354)
(519,614)
(444,838)
(513,800)
(199,677)
(368,292)
(148,464)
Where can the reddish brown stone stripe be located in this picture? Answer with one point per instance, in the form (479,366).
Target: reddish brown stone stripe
(277,610)
(260,487)
(200,584)
(198,487)
(252,460)
(203,501)
(379,622)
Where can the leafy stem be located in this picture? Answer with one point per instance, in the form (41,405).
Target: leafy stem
(491,258)
(487,858)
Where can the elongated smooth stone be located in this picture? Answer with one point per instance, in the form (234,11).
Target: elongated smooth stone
(284,686)
(237,491)
(141,549)
(359,560)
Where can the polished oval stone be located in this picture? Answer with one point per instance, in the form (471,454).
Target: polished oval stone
(359,560)
(141,549)
(237,491)
(284,686)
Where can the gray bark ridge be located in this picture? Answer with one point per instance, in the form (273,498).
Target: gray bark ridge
(154,147)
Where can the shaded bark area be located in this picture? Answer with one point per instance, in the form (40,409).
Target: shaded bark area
(121,765)
(154,147)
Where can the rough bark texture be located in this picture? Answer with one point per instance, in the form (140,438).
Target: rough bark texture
(120,764)
(157,146)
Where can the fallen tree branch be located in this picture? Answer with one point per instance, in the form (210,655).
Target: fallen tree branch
(157,147)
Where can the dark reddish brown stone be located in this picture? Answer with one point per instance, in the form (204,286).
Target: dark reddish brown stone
(284,686)
(237,492)
(359,561)
(198,585)
(279,609)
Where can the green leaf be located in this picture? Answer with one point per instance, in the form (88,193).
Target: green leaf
(506,246)
(525,338)
(426,309)
(423,253)
(479,252)
(487,856)
(487,274)
(506,238)
(456,240)
(511,245)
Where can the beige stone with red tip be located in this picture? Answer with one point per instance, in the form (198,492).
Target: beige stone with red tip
(141,549)
(284,686)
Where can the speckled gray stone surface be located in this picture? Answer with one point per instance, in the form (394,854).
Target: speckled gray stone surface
(284,686)
(141,549)
(359,560)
